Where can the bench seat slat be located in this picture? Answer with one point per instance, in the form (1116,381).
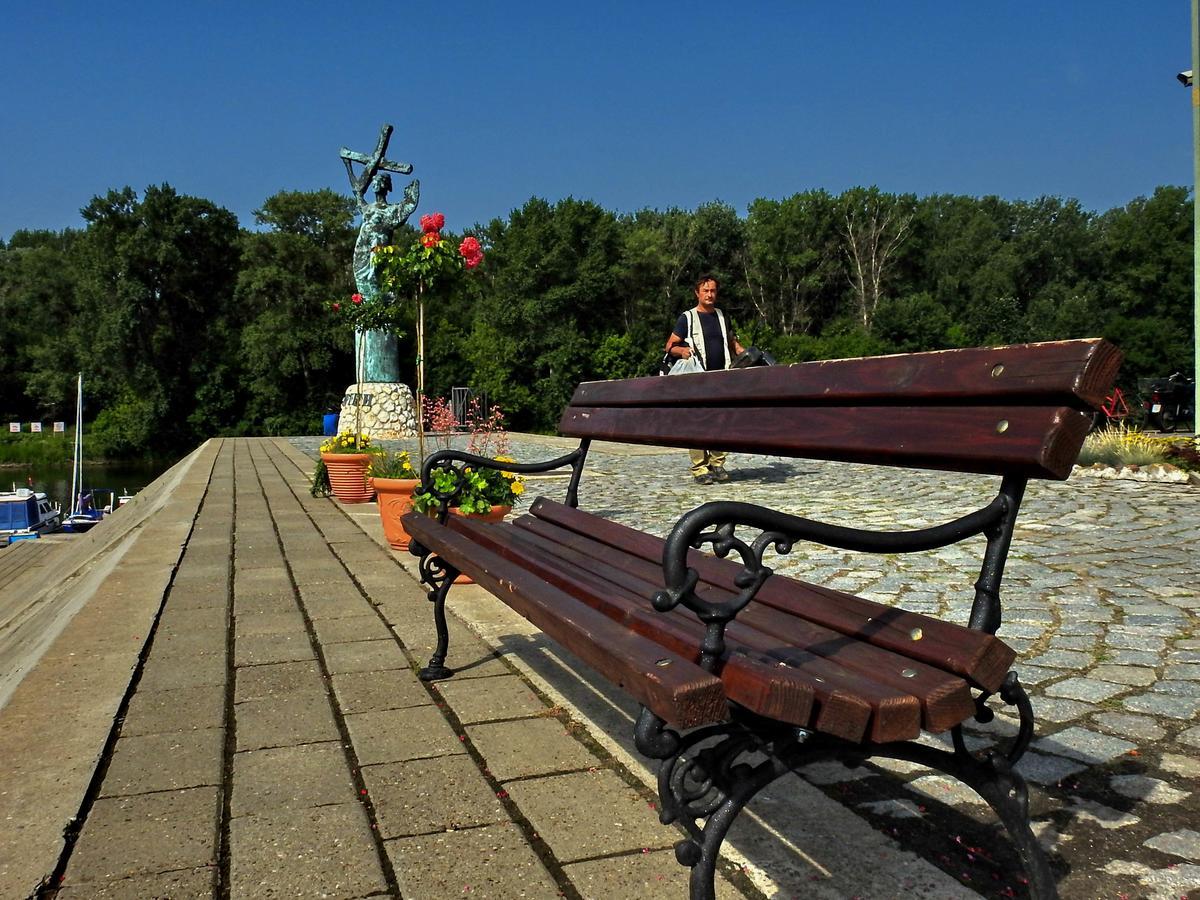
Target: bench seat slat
(981,658)
(842,702)
(945,698)
(1076,373)
(1036,442)
(679,692)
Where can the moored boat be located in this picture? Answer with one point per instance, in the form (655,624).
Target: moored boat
(84,514)
(25,513)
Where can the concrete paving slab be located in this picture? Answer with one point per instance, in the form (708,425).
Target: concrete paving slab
(179,620)
(164,673)
(150,833)
(193,643)
(284,721)
(426,795)
(290,778)
(165,762)
(261,649)
(181,709)
(476,700)
(494,862)
(185,884)
(333,601)
(588,814)
(367,627)
(249,605)
(285,620)
(638,876)
(278,679)
(529,747)
(366,691)
(364,656)
(327,851)
(395,735)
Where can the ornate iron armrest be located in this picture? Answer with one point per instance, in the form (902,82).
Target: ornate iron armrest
(715,523)
(456,461)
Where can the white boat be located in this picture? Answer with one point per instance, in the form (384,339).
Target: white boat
(84,514)
(27,514)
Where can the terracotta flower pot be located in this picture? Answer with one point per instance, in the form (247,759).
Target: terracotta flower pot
(348,476)
(394,496)
(497,514)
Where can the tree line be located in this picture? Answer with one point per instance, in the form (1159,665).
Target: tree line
(186,325)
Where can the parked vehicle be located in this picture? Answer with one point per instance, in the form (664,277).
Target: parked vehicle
(1170,402)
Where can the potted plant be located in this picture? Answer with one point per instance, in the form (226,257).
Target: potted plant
(476,492)
(342,468)
(394,479)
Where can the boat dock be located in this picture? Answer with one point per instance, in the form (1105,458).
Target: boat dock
(213,693)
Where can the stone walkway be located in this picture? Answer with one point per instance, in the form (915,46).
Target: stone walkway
(245,719)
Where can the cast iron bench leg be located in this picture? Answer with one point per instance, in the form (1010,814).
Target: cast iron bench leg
(439,575)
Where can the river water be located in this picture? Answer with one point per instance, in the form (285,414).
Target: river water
(101,478)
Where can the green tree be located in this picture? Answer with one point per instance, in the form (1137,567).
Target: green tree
(875,225)
(792,269)
(37,299)
(156,279)
(297,362)
(551,272)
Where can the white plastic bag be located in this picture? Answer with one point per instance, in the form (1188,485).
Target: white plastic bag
(686,366)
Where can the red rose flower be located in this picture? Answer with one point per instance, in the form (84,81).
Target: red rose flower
(434,222)
(336,307)
(430,239)
(356,298)
(473,261)
(469,247)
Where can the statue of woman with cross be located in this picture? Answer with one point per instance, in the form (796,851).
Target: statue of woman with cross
(379,351)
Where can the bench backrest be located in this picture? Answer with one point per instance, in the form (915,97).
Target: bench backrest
(1018,410)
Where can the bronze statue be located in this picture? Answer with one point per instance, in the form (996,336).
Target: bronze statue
(380,219)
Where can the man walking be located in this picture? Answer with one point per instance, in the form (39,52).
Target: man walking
(704,332)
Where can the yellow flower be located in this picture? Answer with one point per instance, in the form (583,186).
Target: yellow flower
(517,488)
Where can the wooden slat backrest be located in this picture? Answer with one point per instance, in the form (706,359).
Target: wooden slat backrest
(1019,410)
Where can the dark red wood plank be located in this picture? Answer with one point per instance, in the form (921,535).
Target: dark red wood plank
(843,697)
(945,698)
(674,688)
(981,658)
(1077,373)
(1037,442)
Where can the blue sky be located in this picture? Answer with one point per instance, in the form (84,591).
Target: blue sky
(629,104)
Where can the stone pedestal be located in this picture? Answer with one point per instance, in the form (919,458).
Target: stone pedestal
(387,410)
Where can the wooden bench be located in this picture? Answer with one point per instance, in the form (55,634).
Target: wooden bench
(728,660)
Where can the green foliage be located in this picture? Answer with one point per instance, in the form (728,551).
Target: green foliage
(36,449)
(478,489)
(125,428)
(392,465)
(185,327)
(1118,447)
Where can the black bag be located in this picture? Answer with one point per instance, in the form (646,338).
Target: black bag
(752,356)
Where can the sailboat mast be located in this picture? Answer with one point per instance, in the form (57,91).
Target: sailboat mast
(77,456)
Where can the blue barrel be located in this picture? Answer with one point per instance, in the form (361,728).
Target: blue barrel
(330,424)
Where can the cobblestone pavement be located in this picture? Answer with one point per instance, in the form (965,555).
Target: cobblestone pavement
(1100,600)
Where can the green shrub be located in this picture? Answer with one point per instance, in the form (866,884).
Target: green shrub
(1118,447)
